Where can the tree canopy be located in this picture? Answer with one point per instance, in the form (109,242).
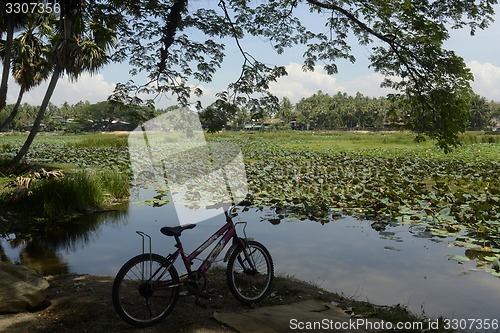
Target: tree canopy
(405,38)
(179,44)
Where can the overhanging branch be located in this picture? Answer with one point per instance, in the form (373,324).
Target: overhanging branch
(173,22)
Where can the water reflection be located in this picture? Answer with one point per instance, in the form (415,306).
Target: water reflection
(398,264)
(43,251)
(395,264)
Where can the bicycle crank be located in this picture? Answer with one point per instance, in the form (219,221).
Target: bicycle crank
(196,282)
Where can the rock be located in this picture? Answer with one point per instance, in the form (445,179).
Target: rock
(21,288)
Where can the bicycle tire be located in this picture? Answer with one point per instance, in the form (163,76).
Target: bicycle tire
(250,285)
(140,300)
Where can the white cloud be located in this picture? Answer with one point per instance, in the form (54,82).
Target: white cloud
(486,79)
(88,88)
(298,84)
(368,85)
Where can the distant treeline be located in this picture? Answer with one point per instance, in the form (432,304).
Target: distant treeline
(338,111)
(82,116)
(319,111)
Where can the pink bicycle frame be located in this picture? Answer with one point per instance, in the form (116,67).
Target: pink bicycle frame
(225,233)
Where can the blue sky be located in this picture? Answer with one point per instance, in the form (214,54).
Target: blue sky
(480,52)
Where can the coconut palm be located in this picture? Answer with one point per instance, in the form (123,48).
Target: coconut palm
(9,22)
(29,59)
(80,45)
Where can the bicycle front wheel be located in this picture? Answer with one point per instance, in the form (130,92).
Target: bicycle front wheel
(250,275)
(145,290)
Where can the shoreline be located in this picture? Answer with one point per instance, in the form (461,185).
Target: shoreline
(80,302)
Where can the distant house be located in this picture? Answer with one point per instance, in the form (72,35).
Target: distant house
(59,119)
(118,125)
(252,126)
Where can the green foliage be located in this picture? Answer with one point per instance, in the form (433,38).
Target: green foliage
(73,193)
(100,141)
(216,116)
(482,113)
(80,192)
(114,183)
(104,151)
(406,39)
(113,115)
(341,111)
(454,196)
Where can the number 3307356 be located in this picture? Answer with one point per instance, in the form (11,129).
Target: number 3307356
(32,7)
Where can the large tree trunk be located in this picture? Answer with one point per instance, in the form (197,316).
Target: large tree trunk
(15,110)
(39,117)
(6,64)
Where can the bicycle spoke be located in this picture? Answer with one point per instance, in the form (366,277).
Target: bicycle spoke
(145,290)
(250,275)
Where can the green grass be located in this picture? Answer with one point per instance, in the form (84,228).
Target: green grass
(320,141)
(78,192)
(327,140)
(98,140)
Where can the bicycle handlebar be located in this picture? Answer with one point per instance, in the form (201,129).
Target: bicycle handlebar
(227,211)
(221,205)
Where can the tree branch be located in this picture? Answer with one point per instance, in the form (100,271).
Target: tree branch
(353,18)
(389,39)
(174,20)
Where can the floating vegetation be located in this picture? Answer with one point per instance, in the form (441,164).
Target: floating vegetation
(449,195)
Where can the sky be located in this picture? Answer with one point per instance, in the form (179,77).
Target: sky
(480,52)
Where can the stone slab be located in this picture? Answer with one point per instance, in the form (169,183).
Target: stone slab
(278,319)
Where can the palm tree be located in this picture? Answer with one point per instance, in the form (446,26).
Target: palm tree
(80,46)
(9,22)
(29,59)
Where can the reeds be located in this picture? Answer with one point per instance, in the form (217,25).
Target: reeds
(78,192)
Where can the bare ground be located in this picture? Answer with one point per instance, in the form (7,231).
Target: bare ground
(82,303)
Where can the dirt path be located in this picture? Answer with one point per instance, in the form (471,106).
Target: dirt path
(82,303)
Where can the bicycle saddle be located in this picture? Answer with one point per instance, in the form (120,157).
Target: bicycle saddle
(176,231)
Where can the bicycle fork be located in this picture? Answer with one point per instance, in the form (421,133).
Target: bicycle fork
(250,267)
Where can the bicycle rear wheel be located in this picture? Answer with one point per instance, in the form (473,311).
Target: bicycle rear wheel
(145,290)
(250,279)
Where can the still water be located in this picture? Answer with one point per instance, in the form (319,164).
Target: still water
(346,256)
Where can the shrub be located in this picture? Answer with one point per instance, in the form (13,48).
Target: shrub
(78,192)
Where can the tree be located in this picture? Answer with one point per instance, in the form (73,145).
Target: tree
(9,22)
(406,40)
(285,110)
(85,34)
(215,117)
(480,113)
(176,44)
(30,65)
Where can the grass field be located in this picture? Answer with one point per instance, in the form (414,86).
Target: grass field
(345,140)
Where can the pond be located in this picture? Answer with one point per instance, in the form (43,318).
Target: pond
(397,265)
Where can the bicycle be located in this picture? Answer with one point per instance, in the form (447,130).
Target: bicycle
(146,288)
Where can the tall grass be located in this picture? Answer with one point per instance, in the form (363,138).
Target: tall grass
(81,191)
(479,137)
(99,140)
